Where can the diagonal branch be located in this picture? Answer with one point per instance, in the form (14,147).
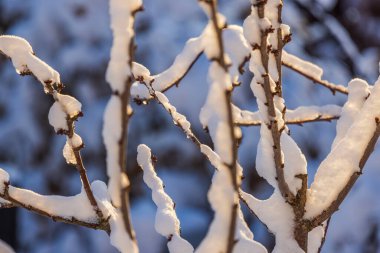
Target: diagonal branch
(26,63)
(334,206)
(173,75)
(358,132)
(311,71)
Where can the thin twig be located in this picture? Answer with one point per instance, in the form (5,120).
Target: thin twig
(332,87)
(300,122)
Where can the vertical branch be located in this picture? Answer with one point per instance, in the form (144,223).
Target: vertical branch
(123,142)
(116,117)
(219,120)
(270,103)
(232,166)
(267,35)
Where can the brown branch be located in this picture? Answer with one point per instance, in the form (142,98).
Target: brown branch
(334,206)
(298,201)
(273,124)
(175,82)
(300,122)
(6,205)
(53,89)
(326,227)
(332,87)
(101,224)
(125,101)
(220,59)
(124,194)
(80,167)
(319,118)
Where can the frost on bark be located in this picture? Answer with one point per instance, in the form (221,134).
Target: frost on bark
(295,213)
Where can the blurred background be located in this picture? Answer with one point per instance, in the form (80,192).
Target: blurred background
(73,36)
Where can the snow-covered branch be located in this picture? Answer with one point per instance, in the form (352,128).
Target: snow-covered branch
(219,120)
(310,71)
(26,63)
(63,113)
(297,116)
(266,84)
(171,76)
(72,210)
(167,223)
(236,47)
(116,115)
(279,160)
(358,131)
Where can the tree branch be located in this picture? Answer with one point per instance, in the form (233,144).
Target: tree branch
(334,206)
(14,202)
(52,86)
(233,165)
(273,124)
(120,78)
(332,87)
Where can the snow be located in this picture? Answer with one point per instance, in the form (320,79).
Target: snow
(294,163)
(304,66)
(181,64)
(178,118)
(236,48)
(70,105)
(118,236)
(5,248)
(358,91)
(252,29)
(343,161)
(299,114)
(57,117)
(48,18)
(280,223)
(167,223)
(315,238)
(77,206)
(24,60)
(122,21)
(119,72)
(64,107)
(312,112)
(68,154)
(214,116)
(141,72)
(4,178)
(243,236)
(221,197)
(111,136)
(278,216)
(160,82)
(245,117)
(75,141)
